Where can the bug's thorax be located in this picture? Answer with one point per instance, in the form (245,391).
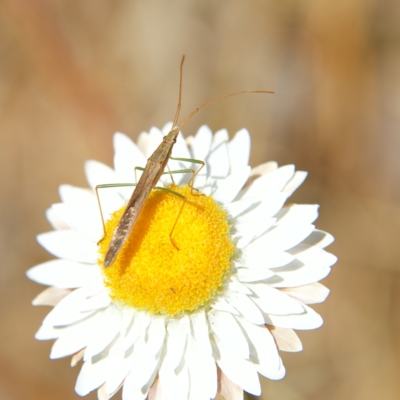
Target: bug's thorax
(164,150)
(170,138)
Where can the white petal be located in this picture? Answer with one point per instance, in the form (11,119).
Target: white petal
(264,207)
(236,208)
(310,265)
(220,304)
(92,375)
(153,391)
(178,331)
(218,158)
(246,307)
(110,198)
(283,237)
(56,220)
(182,384)
(156,334)
(102,393)
(127,157)
(128,316)
(202,372)
(265,168)
(276,374)
(221,136)
(201,143)
(273,301)
(172,385)
(107,331)
(302,276)
(143,363)
(115,379)
(260,224)
(98,173)
(227,329)
(235,286)
(77,358)
(46,332)
(167,128)
(84,220)
(96,301)
(239,149)
(253,274)
(228,389)
(50,296)
(274,181)
(286,339)
(199,147)
(200,332)
(308,294)
(319,238)
(256,256)
(130,391)
(309,320)
(238,370)
(298,214)
(154,140)
(70,245)
(65,274)
(75,337)
(143,142)
(228,188)
(313,256)
(263,351)
(298,178)
(67,311)
(180,150)
(249,231)
(120,363)
(77,196)
(137,328)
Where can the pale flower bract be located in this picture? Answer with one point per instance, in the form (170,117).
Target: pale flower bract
(230,332)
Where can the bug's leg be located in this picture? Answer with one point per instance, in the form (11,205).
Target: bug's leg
(186,171)
(180,211)
(194,173)
(105,186)
(140,169)
(171,175)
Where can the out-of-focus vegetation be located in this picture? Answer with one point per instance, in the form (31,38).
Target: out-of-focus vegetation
(72,72)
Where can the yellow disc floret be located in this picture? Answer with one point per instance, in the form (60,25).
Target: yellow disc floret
(151,274)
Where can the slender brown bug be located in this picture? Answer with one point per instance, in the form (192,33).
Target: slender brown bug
(151,174)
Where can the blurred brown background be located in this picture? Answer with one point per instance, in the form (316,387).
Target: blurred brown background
(72,72)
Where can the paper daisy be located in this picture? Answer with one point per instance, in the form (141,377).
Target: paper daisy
(176,324)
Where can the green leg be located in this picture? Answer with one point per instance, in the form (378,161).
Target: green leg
(182,171)
(171,175)
(180,211)
(105,186)
(140,169)
(192,171)
(113,185)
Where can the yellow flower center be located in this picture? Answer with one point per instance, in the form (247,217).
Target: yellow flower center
(151,274)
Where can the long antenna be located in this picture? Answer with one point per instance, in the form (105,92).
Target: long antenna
(178,109)
(197,109)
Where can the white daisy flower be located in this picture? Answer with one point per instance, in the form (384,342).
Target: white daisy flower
(164,323)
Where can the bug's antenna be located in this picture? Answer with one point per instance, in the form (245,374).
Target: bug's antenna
(197,109)
(178,109)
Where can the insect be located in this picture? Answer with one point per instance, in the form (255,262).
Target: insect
(151,174)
